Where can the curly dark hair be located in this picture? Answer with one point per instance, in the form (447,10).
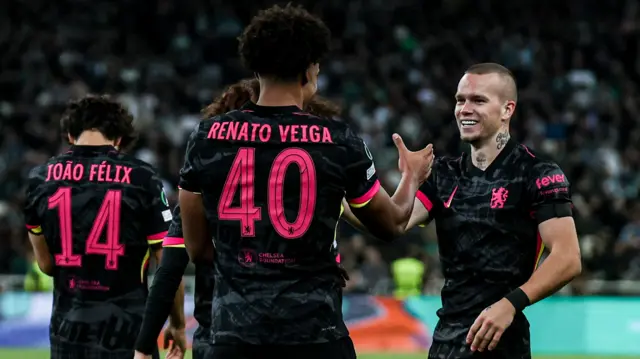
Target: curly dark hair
(281,42)
(99,113)
(247,90)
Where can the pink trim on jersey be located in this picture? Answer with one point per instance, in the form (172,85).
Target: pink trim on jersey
(425,200)
(155,237)
(338,258)
(30,226)
(529,152)
(367,196)
(172,241)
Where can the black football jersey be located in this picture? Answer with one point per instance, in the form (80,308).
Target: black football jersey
(272,180)
(487,227)
(100,211)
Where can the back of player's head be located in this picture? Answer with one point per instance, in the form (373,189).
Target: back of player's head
(283,42)
(233,98)
(510,86)
(99,113)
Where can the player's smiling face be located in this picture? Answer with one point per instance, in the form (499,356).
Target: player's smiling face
(478,106)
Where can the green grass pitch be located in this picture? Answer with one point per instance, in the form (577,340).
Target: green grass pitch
(44,354)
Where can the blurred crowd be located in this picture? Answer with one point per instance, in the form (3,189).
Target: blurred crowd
(394,68)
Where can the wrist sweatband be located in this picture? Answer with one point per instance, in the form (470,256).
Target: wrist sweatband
(518,299)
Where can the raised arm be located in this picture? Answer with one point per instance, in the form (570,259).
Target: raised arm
(384,216)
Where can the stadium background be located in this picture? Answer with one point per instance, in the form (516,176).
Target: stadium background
(394,68)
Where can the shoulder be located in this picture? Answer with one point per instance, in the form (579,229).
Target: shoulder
(540,167)
(141,171)
(38,173)
(345,135)
(447,163)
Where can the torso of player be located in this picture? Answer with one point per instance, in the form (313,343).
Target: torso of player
(487,234)
(273,193)
(93,206)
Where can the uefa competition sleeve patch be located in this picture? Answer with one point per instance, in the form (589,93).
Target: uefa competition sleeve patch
(163,197)
(372,169)
(366,150)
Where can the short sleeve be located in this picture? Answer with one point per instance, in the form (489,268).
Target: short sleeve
(427,194)
(159,213)
(362,179)
(34,200)
(189,178)
(175,238)
(549,192)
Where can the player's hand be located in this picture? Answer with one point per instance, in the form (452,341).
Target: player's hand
(139,355)
(175,341)
(417,164)
(175,353)
(488,328)
(344,276)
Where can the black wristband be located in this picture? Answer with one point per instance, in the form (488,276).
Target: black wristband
(518,299)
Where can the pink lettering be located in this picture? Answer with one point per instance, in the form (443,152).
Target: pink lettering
(108,174)
(57,171)
(104,173)
(101,170)
(265,133)
(49,170)
(294,133)
(78,172)
(326,135)
(284,130)
(314,134)
(254,130)
(126,177)
(93,171)
(66,175)
(233,130)
(305,133)
(548,180)
(244,132)
(223,130)
(213,130)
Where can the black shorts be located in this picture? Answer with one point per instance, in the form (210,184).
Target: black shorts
(449,351)
(449,342)
(201,345)
(340,349)
(62,350)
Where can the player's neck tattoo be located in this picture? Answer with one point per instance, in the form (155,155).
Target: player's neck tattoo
(481,161)
(502,138)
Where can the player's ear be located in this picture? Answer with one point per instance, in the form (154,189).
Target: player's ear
(70,139)
(311,76)
(117,142)
(508,110)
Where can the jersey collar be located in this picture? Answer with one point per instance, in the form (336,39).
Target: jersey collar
(271,110)
(75,149)
(497,163)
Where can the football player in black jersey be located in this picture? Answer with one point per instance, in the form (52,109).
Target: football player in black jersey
(267,182)
(95,215)
(496,209)
(168,277)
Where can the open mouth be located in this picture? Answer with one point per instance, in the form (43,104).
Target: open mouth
(468,123)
